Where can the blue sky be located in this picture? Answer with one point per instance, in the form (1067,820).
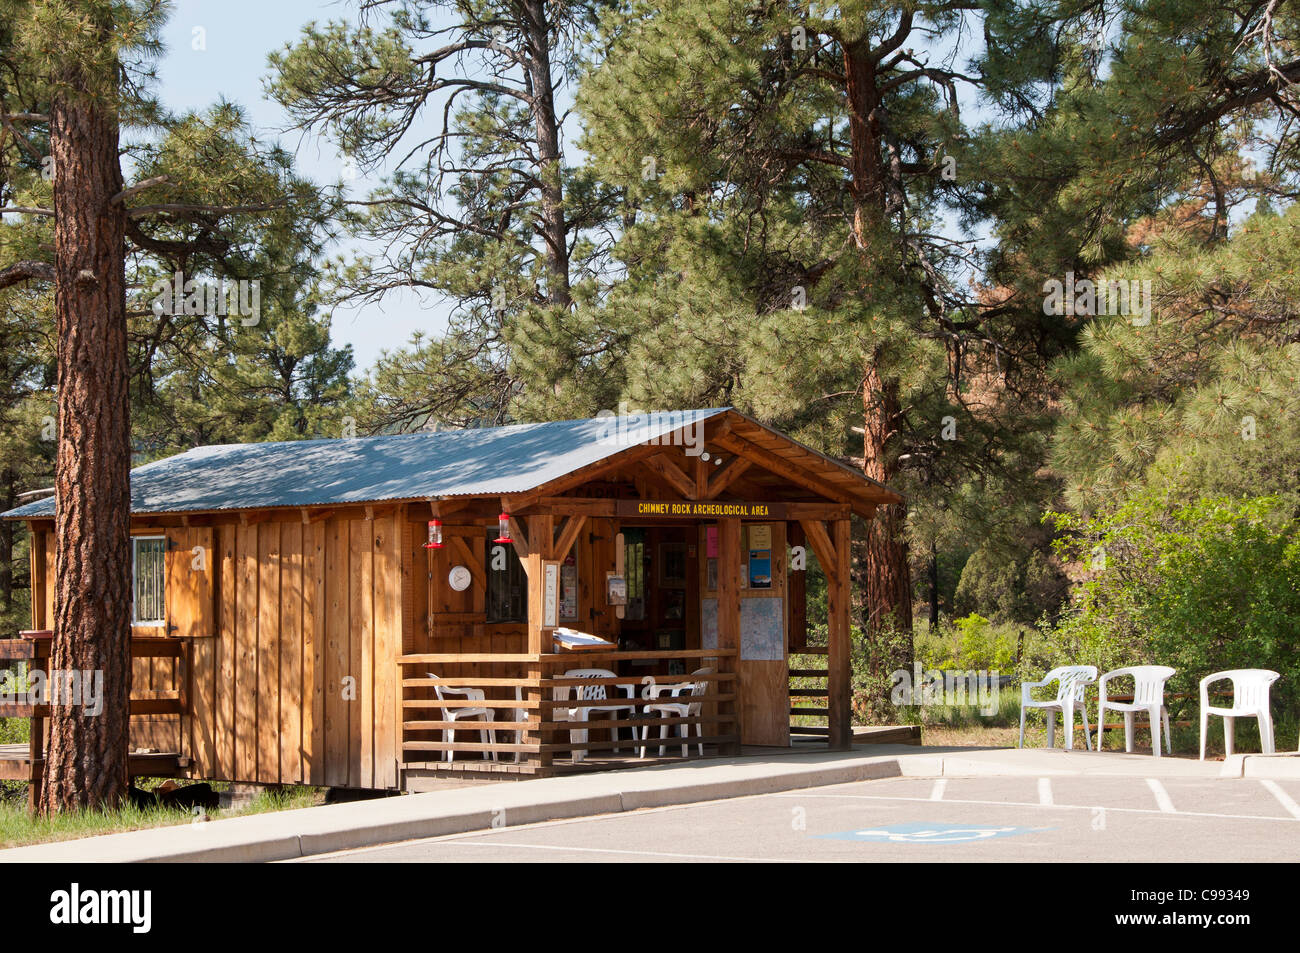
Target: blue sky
(238,35)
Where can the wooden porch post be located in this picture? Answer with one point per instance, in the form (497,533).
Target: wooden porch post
(541,542)
(729,621)
(797,593)
(840,700)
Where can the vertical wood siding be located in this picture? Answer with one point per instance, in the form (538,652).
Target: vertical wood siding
(293,630)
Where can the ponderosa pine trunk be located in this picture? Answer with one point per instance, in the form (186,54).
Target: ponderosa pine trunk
(8,497)
(554,229)
(886,571)
(86,756)
(866,176)
(932,570)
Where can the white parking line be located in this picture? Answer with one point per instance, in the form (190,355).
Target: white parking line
(1282,797)
(936,792)
(627,853)
(1162,796)
(1045,791)
(1053,807)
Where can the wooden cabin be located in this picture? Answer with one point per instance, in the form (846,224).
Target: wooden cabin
(298,606)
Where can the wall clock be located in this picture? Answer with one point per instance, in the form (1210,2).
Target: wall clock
(459,578)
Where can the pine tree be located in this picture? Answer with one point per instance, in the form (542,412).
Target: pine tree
(75,74)
(1203,400)
(789,175)
(482,209)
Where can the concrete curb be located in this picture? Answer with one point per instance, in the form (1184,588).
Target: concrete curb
(1272,766)
(302,833)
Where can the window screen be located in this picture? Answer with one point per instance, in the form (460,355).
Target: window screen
(149,579)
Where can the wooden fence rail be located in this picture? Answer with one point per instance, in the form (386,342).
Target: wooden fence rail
(530,699)
(800,712)
(27,762)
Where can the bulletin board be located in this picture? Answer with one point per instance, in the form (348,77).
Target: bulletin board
(762,628)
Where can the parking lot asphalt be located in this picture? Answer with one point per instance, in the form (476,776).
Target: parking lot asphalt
(1024,818)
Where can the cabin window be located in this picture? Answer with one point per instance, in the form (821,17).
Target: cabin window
(149,579)
(507,586)
(635,557)
(569,589)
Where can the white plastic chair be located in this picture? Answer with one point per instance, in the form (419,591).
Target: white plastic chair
(1074,681)
(458,714)
(1250,687)
(519,715)
(1148,696)
(675,709)
(583,713)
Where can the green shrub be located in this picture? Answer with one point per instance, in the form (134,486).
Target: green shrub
(1210,586)
(971,642)
(1010,588)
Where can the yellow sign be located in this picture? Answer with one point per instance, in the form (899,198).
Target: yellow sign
(699,509)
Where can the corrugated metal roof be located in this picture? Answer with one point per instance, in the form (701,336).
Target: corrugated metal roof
(481,462)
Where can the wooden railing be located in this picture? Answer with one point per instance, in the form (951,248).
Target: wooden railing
(29,765)
(524,694)
(810,702)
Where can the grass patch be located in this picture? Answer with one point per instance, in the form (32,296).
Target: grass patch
(18,828)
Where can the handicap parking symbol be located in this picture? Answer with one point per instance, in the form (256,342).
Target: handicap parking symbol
(923,833)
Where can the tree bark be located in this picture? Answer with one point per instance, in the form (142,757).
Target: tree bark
(554,228)
(86,757)
(866,177)
(887,572)
(887,578)
(7,499)
(934,587)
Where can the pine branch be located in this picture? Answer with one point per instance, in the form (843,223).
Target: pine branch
(26,270)
(140,187)
(1257,87)
(182,208)
(7,121)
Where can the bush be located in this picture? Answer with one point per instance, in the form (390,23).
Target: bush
(1007,589)
(1210,586)
(971,642)
(871,661)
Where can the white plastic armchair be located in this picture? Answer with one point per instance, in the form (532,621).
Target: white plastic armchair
(463,713)
(1250,688)
(675,709)
(1074,681)
(519,715)
(1148,696)
(595,701)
